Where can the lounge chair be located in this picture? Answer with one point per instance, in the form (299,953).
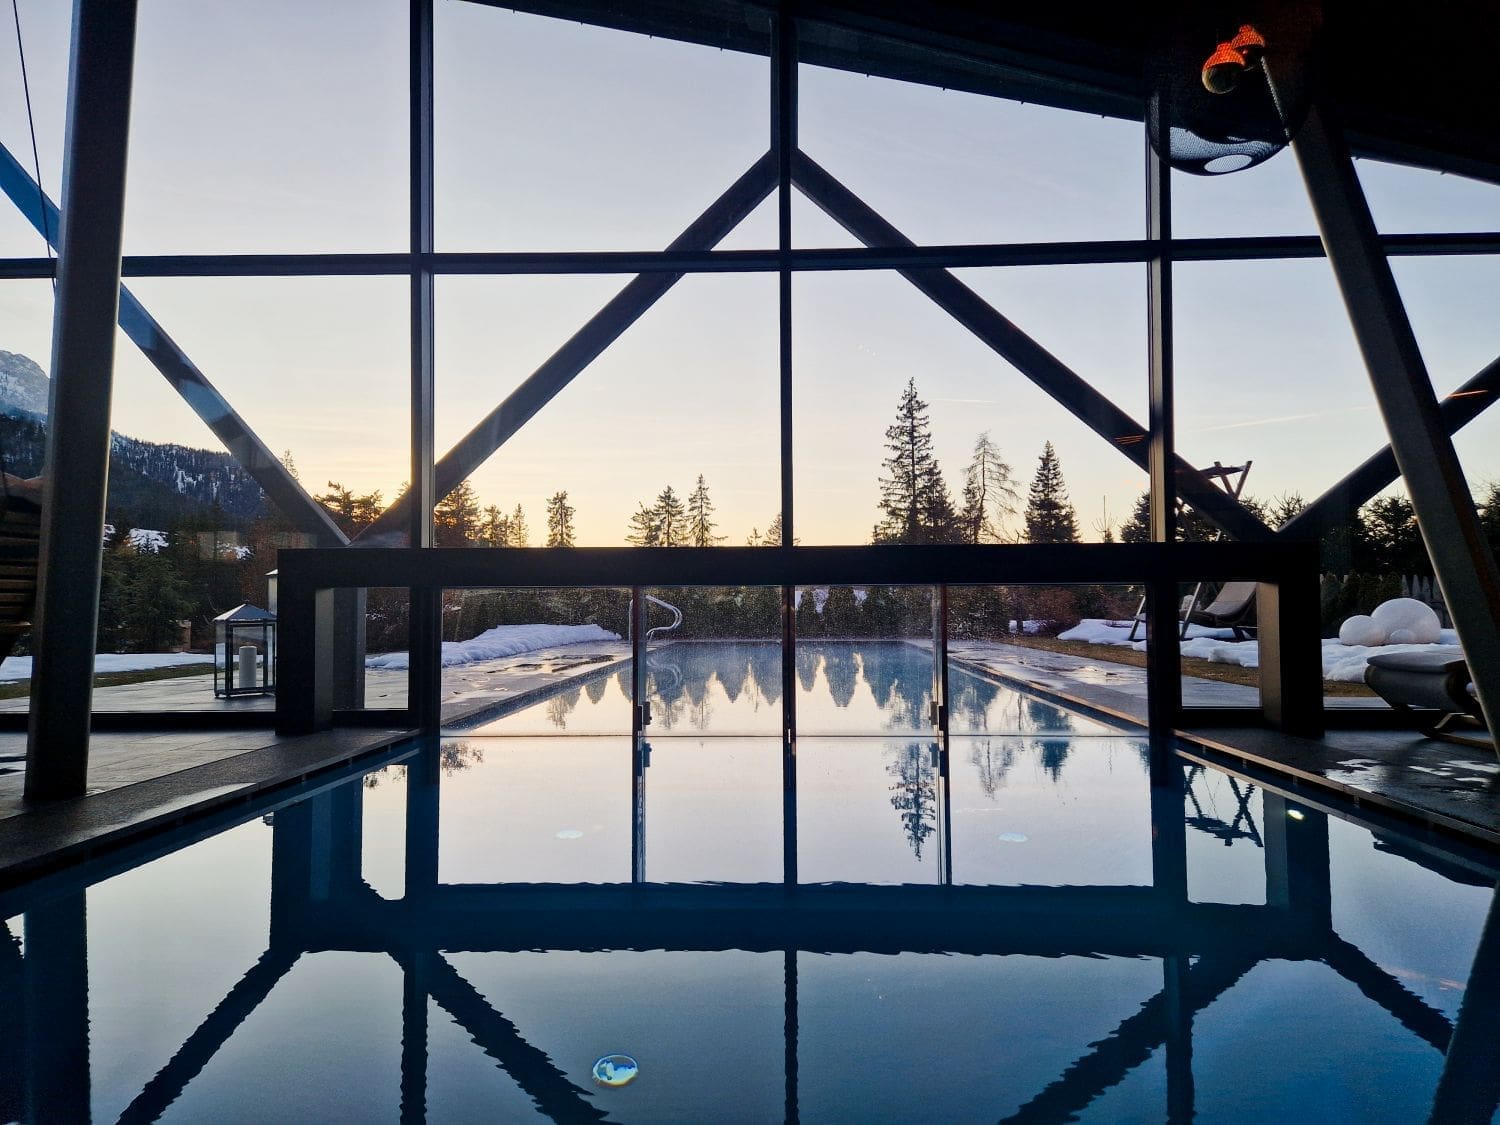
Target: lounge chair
(1431,680)
(1233,608)
(20,538)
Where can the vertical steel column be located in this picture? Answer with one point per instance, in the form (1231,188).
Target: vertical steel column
(83,357)
(56,975)
(940,732)
(1179,1017)
(784,149)
(1163,652)
(1461,557)
(791,1114)
(425,676)
(1296,857)
(414,1003)
(640,712)
(424,781)
(1469,1088)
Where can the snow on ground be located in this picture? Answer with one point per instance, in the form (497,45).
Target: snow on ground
(19,667)
(502,640)
(1345,663)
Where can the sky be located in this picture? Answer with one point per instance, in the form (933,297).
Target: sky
(281,126)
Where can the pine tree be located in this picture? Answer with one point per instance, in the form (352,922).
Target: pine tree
(700,509)
(990,494)
(671,524)
(644,529)
(1049,515)
(520,534)
(913,495)
(456,517)
(559,520)
(495,529)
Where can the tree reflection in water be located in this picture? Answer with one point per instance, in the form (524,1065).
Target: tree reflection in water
(914,794)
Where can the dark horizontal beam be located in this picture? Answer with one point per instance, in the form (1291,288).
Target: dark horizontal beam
(1041,921)
(308,569)
(809,259)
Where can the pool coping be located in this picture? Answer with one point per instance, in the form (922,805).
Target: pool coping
(55,834)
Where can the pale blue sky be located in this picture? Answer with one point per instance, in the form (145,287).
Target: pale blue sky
(282,126)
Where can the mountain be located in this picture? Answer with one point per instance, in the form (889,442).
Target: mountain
(151,484)
(24,385)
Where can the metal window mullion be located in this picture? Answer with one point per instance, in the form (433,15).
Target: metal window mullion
(1163,651)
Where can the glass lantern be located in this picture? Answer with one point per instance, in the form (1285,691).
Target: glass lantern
(244,652)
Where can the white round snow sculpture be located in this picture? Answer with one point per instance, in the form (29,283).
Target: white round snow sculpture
(1408,615)
(1361,630)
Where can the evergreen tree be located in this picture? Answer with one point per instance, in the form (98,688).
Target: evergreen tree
(990,494)
(559,520)
(700,517)
(671,522)
(519,534)
(495,527)
(1049,516)
(645,531)
(913,495)
(456,517)
(1489,515)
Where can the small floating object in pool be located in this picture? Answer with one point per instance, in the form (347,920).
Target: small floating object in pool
(616,1070)
(570,834)
(1013,837)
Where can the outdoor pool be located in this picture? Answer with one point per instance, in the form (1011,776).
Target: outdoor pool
(1015,926)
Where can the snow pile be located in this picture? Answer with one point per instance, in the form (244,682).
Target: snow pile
(1345,663)
(19,667)
(502,640)
(1400,621)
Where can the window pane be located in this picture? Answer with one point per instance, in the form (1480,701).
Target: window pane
(557,136)
(950,167)
(687,396)
(273,149)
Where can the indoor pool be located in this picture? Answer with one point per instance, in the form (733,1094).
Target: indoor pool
(710,926)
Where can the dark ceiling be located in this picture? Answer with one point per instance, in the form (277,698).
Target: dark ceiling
(1411,83)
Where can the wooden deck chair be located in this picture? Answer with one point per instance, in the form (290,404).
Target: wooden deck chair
(20,539)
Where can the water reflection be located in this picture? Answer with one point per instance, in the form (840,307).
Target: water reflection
(914,792)
(1161,1007)
(1137,1002)
(866,687)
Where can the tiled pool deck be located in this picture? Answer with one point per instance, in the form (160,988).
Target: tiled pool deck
(139,779)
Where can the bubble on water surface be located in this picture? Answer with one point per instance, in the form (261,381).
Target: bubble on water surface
(569,834)
(1013,837)
(616,1070)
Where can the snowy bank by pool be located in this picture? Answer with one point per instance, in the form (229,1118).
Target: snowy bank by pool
(19,667)
(1341,662)
(502,640)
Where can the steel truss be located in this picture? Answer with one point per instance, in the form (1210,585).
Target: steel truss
(654,272)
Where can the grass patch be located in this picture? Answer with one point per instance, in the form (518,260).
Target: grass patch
(1203,669)
(19,688)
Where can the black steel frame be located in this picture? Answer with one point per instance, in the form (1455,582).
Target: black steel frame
(783,167)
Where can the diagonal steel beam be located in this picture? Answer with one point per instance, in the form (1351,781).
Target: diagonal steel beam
(1044,369)
(586,345)
(1461,557)
(531,1068)
(186,379)
(1413,1013)
(204,1043)
(1338,505)
(1129,1045)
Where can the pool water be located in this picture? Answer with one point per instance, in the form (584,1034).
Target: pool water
(1014,925)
